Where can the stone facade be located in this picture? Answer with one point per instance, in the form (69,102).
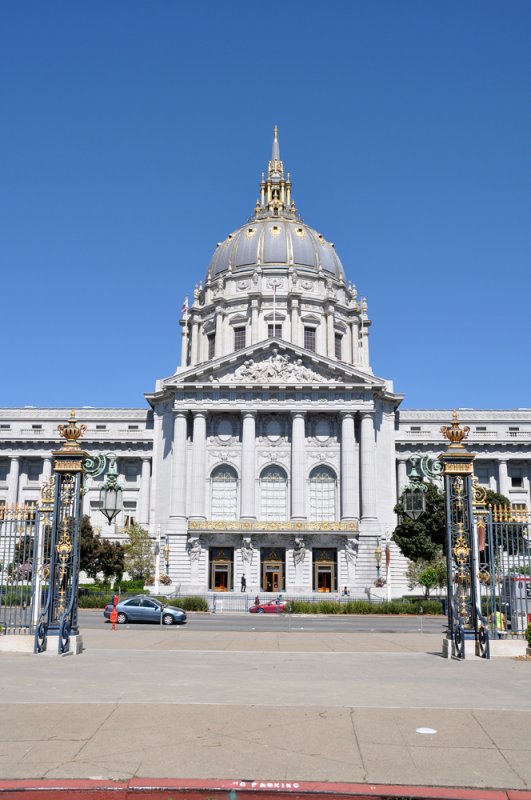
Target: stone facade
(273,452)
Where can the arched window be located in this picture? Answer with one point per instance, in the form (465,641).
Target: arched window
(323,494)
(224,482)
(273,494)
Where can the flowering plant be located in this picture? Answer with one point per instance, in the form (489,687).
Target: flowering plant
(379,582)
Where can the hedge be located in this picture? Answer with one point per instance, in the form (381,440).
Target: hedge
(364,607)
(192,603)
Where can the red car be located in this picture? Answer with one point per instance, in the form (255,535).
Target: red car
(269,608)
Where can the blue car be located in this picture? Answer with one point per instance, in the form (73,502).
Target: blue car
(143,608)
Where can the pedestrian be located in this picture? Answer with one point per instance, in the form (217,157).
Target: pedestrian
(346,591)
(244,584)
(279,600)
(257,601)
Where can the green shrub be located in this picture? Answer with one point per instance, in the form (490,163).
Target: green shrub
(192,603)
(364,607)
(528,634)
(93,600)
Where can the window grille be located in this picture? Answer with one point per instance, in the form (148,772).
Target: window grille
(211,345)
(337,344)
(239,338)
(224,493)
(309,339)
(323,494)
(274,331)
(273,494)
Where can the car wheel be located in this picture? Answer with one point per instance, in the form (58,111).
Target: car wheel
(121,618)
(167,619)
(259,610)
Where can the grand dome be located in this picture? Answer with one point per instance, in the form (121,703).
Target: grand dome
(276,242)
(275,235)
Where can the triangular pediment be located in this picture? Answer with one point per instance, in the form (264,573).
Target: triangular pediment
(275,362)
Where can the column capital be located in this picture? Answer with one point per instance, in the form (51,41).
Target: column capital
(366,414)
(248,414)
(145,458)
(296,414)
(199,414)
(179,412)
(346,414)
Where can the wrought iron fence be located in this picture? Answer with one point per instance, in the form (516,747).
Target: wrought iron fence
(504,537)
(18,563)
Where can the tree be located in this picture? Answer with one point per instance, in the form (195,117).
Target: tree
(424,538)
(99,555)
(428,574)
(139,560)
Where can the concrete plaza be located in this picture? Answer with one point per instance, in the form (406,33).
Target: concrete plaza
(182,703)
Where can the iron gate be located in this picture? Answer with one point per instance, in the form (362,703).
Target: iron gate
(18,564)
(504,574)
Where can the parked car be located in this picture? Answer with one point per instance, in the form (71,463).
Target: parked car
(269,608)
(143,608)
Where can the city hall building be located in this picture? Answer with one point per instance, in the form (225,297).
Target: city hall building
(273,452)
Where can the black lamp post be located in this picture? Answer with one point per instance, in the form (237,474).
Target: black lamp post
(111,494)
(414,494)
(378,557)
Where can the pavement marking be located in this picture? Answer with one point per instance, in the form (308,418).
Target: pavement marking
(425,730)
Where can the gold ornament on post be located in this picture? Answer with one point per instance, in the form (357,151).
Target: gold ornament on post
(455,434)
(71,433)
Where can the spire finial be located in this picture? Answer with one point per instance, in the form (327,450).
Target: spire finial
(276,149)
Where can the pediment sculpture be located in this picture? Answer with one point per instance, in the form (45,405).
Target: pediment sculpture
(277,367)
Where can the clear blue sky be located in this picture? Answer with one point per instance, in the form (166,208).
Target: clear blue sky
(133,135)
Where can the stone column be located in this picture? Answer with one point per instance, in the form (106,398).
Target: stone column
(349,482)
(184,344)
(142,511)
(196,344)
(298,466)
(46,469)
(254,320)
(248,465)
(12,480)
(178,466)
(368,466)
(198,466)
(503,477)
(355,342)
(218,351)
(295,328)
(330,338)
(402,475)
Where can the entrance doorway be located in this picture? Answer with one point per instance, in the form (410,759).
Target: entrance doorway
(221,569)
(324,570)
(273,561)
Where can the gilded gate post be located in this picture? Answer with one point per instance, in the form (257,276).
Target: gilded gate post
(59,615)
(465,618)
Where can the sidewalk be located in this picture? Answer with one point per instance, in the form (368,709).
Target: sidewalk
(178,703)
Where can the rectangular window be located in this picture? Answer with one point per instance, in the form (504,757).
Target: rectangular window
(5,427)
(34,471)
(337,344)
(239,338)
(4,469)
(129,513)
(132,427)
(131,472)
(39,427)
(481,428)
(514,428)
(414,427)
(517,480)
(482,474)
(309,339)
(274,331)
(211,345)
(101,427)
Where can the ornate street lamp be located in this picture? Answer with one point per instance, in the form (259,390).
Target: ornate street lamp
(166,555)
(111,494)
(414,494)
(378,557)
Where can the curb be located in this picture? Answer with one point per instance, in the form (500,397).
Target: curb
(145,788)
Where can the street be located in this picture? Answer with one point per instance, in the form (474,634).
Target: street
(245,622)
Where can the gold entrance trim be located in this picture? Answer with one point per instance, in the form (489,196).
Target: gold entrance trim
(511,514)
(23,512)
(237,525)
